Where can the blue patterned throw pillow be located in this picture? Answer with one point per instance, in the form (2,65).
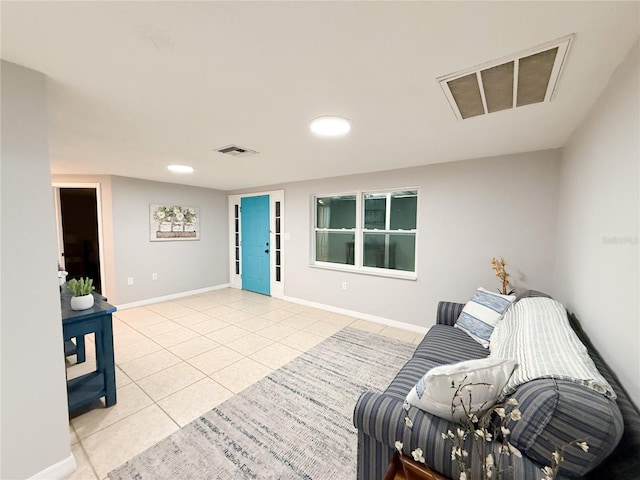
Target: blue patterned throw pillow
(482,313)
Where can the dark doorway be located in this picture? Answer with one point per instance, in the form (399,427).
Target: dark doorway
(79,212)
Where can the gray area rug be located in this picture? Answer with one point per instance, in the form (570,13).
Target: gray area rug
(296,423)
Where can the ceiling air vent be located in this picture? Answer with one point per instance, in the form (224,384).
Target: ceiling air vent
(521,79)
(236,151)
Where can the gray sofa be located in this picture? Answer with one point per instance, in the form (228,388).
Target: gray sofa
(554,412)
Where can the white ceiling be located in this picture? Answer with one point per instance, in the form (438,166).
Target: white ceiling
(134,86)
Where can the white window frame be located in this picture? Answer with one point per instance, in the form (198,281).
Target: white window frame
(359,232)
(315,229)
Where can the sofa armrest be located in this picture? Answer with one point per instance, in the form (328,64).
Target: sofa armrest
(380,416)
(448,313)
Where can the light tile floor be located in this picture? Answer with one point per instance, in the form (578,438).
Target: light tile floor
(177,360)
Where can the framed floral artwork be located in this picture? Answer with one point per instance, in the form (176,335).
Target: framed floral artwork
(173,222)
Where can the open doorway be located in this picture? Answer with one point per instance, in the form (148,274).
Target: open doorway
(79,232)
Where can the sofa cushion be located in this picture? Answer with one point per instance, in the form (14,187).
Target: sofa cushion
(483,380)
(445,344)
(481,314)
(407,377)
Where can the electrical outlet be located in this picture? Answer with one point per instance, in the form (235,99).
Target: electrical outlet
(344,285)
(154,276)
(129,280)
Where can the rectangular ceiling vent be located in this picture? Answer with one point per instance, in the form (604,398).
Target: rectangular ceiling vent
(521,79)
(236,151)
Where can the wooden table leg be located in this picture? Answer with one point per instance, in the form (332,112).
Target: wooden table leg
(81,353)
(109,367)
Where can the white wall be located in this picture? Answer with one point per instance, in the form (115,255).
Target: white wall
(34,419)
(182,265)
(469,212)
(598,224)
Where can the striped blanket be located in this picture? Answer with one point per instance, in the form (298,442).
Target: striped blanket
(536,333)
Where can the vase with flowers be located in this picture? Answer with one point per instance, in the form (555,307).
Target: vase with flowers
(499,266)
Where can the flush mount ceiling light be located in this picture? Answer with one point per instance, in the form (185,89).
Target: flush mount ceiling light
(180,168)
(330,126)
(522,79)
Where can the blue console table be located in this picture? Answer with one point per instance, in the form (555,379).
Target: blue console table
(76,324)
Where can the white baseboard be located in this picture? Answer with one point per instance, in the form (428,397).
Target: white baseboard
(57,471)
(330,308)
(173,296)
(364,316)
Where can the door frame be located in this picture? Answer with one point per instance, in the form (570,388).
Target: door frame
(56,199)
(235,280)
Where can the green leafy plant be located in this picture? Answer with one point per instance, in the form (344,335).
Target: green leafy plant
(83,286)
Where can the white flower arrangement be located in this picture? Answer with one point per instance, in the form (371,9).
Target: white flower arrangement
(164,214)
(486,427)
(189,215)
(174,214)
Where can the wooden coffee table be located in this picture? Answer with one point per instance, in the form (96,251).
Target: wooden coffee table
(404,468)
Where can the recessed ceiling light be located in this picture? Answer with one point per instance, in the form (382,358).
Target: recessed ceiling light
(330,126)
(180,168)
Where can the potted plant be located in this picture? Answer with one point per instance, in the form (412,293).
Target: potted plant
(81,289)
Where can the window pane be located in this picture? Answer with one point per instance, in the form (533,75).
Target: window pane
(404,210)
(375,211)
(390,250)
(335,247)
(336,212)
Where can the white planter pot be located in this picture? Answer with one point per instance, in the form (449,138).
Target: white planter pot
(82,303)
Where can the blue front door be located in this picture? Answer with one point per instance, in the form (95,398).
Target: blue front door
(254,229)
